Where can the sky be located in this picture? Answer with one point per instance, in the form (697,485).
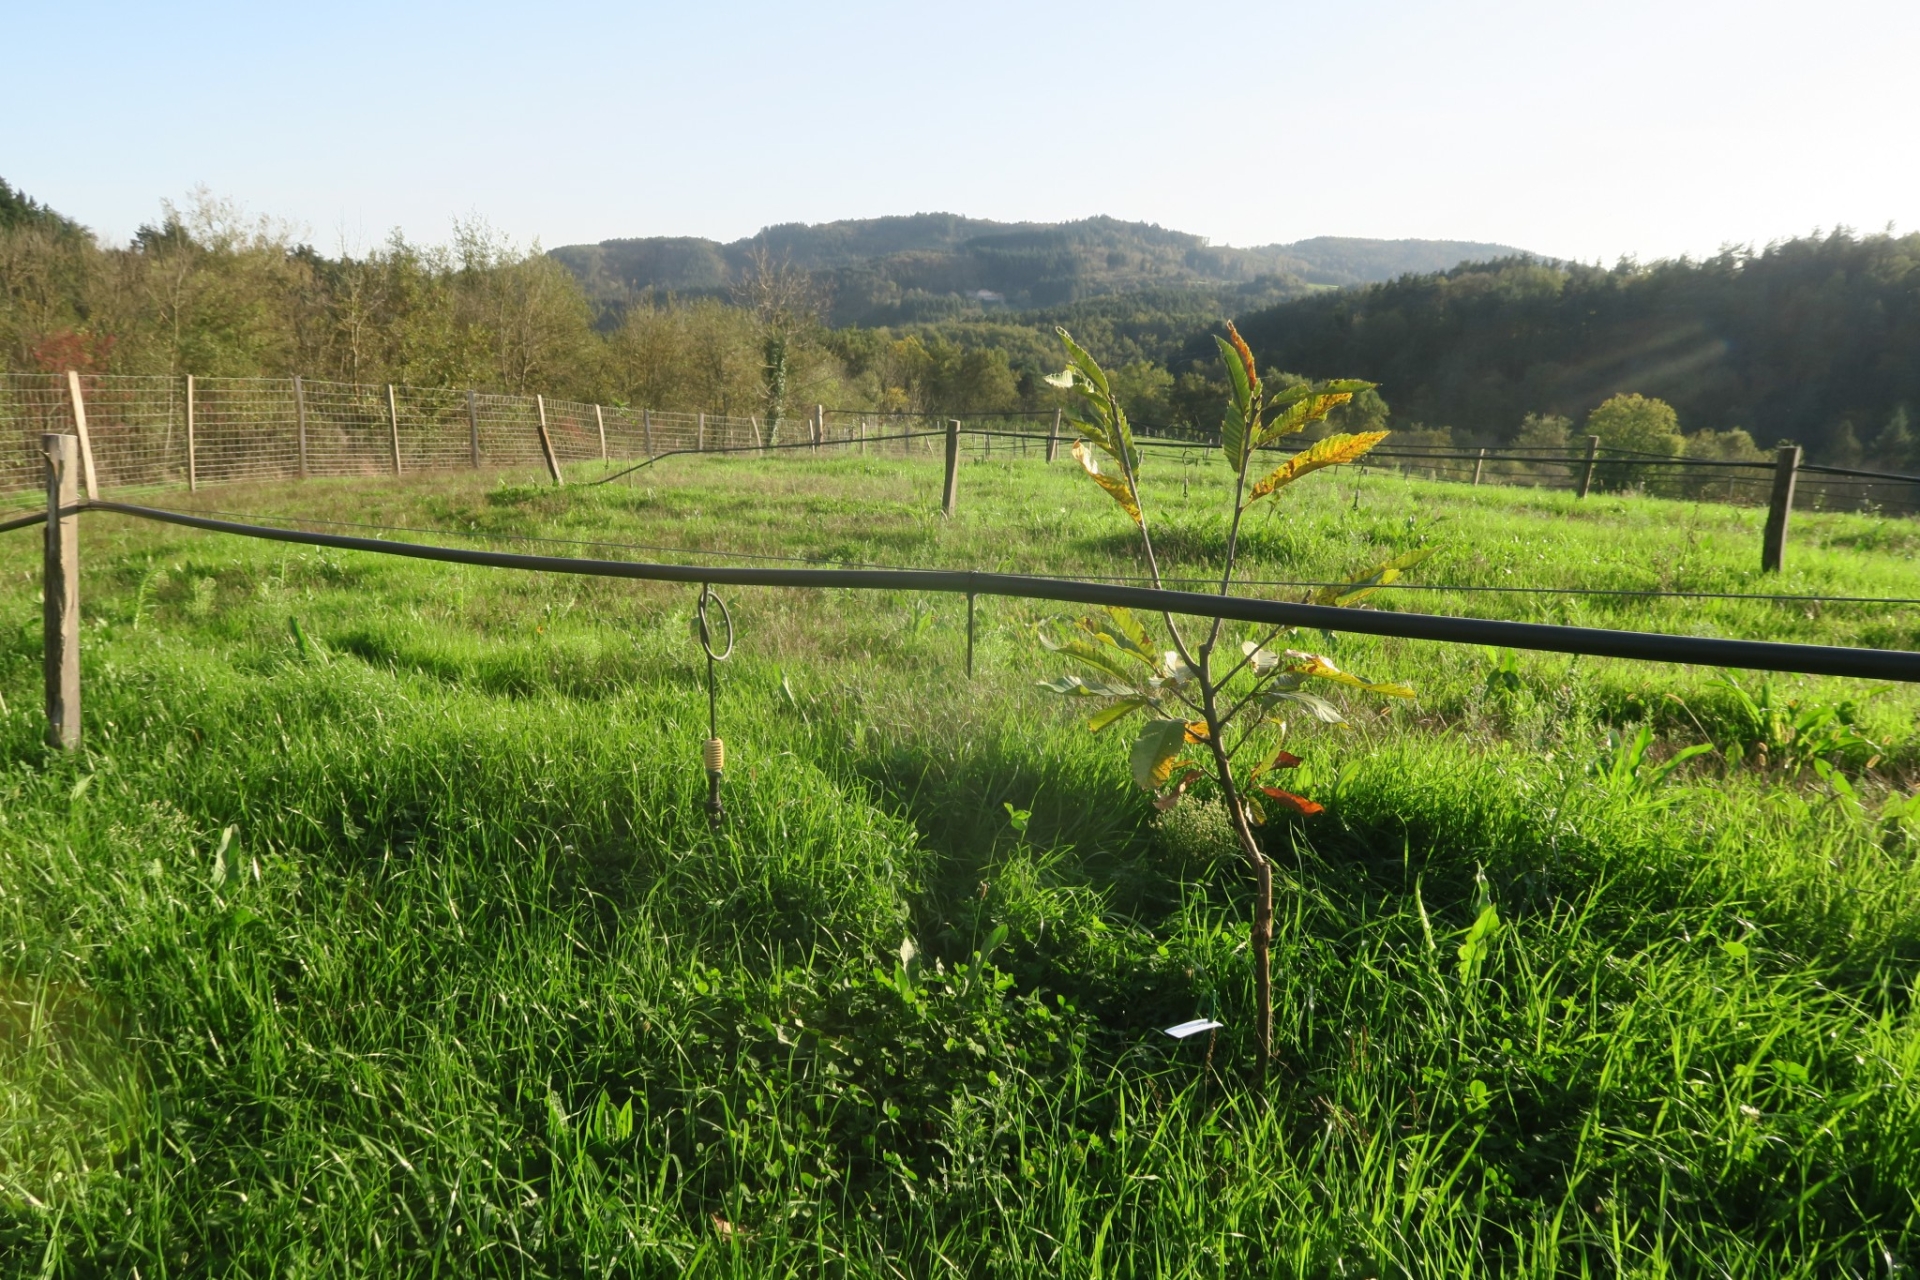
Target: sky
(1573,129)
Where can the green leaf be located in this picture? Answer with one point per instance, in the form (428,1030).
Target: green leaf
(1122,629)
(1075,687)
(1088,367)
(1105,656)
(1154,751)
(1380,575)
(1233,438)
(1478,942)
(1115,713)
(1322,710)
(1237,376)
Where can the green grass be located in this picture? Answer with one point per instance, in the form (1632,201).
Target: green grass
(412,953)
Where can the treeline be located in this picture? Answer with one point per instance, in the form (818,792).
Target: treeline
(208,291)
(1814,341)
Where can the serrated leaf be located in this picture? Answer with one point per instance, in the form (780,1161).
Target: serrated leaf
(1298,417)
(1120,629)
(1088,367)
(1330,452)
(1106,657)
(1176,668)
(1063,379)
(1381,575)
(1238,379)
(1245,353)
(1233,437)
(1321,668)
(1117,712)
(1115,487)
(1299,804)
(1154,751)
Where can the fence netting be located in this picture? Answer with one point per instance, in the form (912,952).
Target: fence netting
(157,431)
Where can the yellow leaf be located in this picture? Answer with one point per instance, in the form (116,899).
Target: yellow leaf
(1300,416)
(1380,575)
(1312,664)
(1117,487)
(1330,452)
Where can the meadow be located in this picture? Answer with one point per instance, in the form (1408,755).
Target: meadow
(397,942)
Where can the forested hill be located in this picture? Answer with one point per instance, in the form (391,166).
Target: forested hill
(931,266)
(1814,340)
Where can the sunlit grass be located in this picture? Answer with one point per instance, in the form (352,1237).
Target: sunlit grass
(469,988)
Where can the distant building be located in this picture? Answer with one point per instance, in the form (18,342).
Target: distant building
(987,295)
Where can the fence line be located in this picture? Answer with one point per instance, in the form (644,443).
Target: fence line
(156,431)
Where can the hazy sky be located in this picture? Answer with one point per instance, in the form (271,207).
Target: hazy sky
(1585,130)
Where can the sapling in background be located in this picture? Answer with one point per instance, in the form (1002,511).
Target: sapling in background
(1216,716)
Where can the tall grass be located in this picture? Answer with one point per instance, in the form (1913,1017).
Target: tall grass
(409,951)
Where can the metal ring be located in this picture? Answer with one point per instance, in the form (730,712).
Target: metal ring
(706,632)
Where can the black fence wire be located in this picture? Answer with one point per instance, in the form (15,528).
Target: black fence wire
(1762,655)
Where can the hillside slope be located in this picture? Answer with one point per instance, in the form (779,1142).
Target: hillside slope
(935,265)
(1810,340)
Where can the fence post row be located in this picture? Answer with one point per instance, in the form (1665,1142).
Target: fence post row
(473,426)
(193,466)
(61,589)
(546,441)
(393,422)
(80,429)
(1586,477)
(1773,546)
(300,417)
(951,491)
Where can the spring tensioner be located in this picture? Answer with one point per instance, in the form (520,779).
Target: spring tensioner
(713,752)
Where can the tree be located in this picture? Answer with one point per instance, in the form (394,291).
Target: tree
(1634,424)
(1194,695)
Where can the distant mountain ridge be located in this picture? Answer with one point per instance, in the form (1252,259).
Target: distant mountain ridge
(928,266)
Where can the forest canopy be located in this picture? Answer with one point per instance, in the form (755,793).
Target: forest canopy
(1814,341)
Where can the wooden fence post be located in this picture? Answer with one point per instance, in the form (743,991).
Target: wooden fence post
(393,423)
(1586,477)
(1053,438)
(700,433)
(300,418)
(600,420)
(60,585)
(80,429)
(646,429)
(546,441)
(473,426)
(819,425)
(1478,463)
(1786,469)
(952,490)
(193,466)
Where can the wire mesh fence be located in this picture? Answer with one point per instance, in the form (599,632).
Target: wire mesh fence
(146,432)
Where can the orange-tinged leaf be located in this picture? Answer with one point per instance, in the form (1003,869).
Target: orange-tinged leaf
(1300,804)
(1330,452)
(1197,731)
(1279,760)
(1113,485)
(1246,352)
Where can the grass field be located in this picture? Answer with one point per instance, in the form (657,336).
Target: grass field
(408,951)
